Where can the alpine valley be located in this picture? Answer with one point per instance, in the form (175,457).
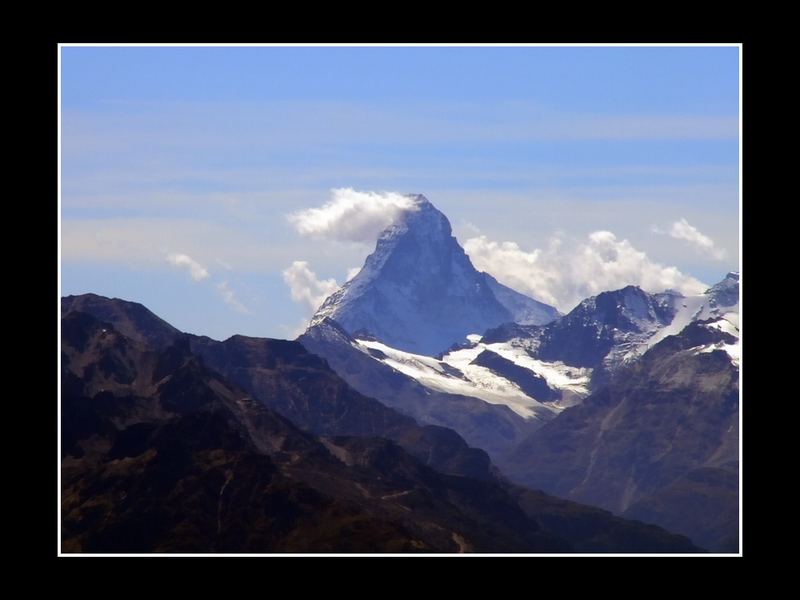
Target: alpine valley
(427,408)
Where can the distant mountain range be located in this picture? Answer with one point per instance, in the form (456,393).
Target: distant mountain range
(426,408)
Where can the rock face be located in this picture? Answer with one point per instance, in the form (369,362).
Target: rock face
(704,504)
(131,319)
(725,294)
(302,387)
(596,333)
(613,328)
(419,292)
(285,377)
(661,437)
(162,454)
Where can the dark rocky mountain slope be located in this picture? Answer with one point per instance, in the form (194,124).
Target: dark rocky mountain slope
(160,453)
(287,378)
(659,442)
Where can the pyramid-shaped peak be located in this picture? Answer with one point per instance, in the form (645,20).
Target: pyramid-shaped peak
(418,198)
(419,291)
(424,220)
(424,207)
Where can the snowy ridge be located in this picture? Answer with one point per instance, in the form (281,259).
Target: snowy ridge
(455,373)
(572,382)
(687,310)
(721,301)
(730,345)
(629,320)
(731,350)
(616,327)
(600,331)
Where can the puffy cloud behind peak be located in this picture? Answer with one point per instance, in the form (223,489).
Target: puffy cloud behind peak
(351,215)
(567,270)
(306,287)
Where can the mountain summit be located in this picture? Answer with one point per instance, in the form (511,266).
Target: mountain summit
(419,292)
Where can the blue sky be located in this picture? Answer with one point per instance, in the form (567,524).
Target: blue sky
(203,152)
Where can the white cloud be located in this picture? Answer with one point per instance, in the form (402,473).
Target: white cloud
(351,215)
(567,270)
(229,296)
(199,273)
(306,287)
(352,272)
(682,230)
(196,270)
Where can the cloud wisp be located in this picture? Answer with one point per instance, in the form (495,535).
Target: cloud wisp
(567,270)
(351,215)
(197,271)
(682,230)
(305,287)
(200,273)
(229,297)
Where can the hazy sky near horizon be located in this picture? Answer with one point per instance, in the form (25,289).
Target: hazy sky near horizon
(564,171)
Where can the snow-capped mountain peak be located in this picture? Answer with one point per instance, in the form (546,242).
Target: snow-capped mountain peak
(620,325)
(726,292)
(629,309)
(419,292)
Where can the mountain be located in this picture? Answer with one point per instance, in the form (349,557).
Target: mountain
(596,333)
(616,326)
(591,529)
(300,386)
(530,379)
(419,292)
(703,504)
(428,390)
(497,388)
(725,294)
(521,375)
(162,454)
(659,441)
(131,319)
